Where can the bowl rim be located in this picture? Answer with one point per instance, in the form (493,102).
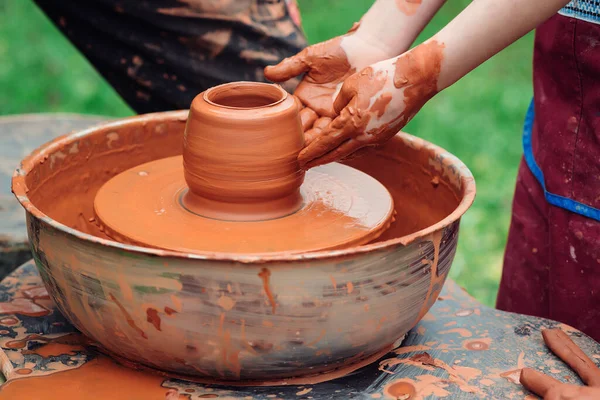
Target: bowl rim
(20,190)
(205,96)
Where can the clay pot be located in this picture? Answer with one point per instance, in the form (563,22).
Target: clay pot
(228,126)
(236,316)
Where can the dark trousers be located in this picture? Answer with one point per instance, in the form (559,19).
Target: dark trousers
(159,54)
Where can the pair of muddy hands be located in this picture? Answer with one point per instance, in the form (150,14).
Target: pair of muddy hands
(354,95)
(551,389)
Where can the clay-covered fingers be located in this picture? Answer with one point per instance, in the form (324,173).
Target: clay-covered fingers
(320,146)
(341,152)
(316,130)
(340,130)
(308,117)
(288,68)
(562,345)
(537,382)
(347,93)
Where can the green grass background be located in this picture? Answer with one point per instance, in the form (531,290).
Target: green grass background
(479,119)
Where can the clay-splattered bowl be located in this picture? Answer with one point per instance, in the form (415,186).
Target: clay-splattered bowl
(238,317)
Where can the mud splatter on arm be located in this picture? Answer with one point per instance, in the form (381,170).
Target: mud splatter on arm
(374,104)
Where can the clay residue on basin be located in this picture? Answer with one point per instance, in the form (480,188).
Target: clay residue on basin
(421,196)
(63,178)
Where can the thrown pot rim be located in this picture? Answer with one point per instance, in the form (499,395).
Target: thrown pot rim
(20,190)
(207,93)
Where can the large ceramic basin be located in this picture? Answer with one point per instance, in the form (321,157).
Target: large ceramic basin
(238,317)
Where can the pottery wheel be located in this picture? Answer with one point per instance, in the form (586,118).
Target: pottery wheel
(342,207)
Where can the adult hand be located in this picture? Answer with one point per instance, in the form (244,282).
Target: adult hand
(375,103)
(551,389)
(326,66)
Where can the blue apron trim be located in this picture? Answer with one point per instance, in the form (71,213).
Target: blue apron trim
(585,10)
(555,200)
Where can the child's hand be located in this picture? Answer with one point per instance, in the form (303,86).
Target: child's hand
(375,103)
(326,65)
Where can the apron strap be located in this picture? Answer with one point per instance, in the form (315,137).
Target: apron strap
(554,199)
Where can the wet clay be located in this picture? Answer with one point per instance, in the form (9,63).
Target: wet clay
(240,150)
(265,275)
(326,65)
(31,304)
(308,118)
(418,71)
(97,375)
(358,93)
(376,102)
(457,375)
(342,207)
(408,7)
(242,179)
(562,346)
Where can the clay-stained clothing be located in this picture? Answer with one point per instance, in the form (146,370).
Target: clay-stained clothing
(552,260)
(159,54)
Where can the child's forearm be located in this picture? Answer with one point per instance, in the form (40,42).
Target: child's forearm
(484,28)
(395,24)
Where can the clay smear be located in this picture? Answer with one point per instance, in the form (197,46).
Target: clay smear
(436,282)
(334,215)
(353,104)
(31,305)
(76,341)
(128,317)
(97,375)
(153,317)
(265,275)
(408,7)
(417,71)
(354,27)
(380,105)
(460,376)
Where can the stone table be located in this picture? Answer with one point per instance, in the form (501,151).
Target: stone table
(19,136)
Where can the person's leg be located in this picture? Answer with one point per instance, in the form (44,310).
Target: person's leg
(158,55)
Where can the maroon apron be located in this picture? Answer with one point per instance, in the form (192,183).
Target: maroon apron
(552,260)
